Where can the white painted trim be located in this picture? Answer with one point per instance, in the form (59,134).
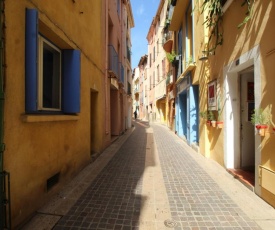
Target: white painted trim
(232,107)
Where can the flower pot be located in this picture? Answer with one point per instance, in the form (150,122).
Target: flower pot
(213,123)
(220,124)
(208,123)
(261,129)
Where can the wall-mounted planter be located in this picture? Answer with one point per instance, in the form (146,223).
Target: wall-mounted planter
(208,123)
(261,129)
(213,123)
(220,124)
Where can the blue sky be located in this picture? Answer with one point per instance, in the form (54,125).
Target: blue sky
(143,11)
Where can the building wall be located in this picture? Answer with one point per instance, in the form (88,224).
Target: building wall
(249,46)
(248,50)
(38,147)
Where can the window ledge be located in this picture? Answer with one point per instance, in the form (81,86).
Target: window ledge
(47,118)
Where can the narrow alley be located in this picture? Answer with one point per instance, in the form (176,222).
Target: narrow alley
(150,179)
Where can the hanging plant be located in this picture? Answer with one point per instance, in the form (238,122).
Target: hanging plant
(250,4)
(171,56)
(213,20)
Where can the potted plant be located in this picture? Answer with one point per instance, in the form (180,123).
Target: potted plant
(219,124)
(171,56)
(211,118)
(205,115)
(261,119)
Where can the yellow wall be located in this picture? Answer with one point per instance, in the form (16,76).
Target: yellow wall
(258,31)
(37,150)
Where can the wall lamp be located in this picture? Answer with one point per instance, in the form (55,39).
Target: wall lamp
(205,55)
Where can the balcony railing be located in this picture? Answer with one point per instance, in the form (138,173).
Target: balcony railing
(112,60)
(167,35)
(167,41)
(160,90)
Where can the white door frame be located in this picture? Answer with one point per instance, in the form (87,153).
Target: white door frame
(232,108)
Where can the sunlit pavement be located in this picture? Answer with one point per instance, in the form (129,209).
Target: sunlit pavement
(150,179)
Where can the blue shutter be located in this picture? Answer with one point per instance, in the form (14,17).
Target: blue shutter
(71,81)
(31,37)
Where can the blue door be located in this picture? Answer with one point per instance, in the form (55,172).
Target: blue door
(188,116)
(193,114)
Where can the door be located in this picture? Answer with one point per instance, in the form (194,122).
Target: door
(188,116)
(247,129)
(93,119)
(180,115)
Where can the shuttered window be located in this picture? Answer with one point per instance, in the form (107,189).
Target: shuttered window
(52,75)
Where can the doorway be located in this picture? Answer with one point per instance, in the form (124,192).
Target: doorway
(247,158)
(93,122)
(244,132)
(240,145)
(247,136)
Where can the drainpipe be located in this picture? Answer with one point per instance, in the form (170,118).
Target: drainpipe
(5,211)
(2,194)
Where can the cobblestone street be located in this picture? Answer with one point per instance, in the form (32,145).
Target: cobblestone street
(150,179)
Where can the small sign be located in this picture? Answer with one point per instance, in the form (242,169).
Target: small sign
(212,95)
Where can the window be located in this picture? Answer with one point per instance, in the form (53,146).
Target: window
(163,67)
(157,47)
(49,76)
(154,79)
(52,75)
(189,34)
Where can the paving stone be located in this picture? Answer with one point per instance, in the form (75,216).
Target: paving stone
(150,177)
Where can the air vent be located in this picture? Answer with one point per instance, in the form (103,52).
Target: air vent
(52,181)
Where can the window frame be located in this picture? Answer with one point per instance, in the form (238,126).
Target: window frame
(41,41)
(70,69)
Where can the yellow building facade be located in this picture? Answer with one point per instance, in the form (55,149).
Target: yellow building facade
(229,82)
(57,85)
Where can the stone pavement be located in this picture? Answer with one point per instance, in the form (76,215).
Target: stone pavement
(150,179)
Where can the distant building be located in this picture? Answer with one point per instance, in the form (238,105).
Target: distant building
(157,66)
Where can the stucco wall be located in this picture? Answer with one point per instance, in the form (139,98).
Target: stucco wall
(260,32)
(35,151)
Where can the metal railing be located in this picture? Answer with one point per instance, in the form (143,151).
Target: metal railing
(112,60)
(167,36)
